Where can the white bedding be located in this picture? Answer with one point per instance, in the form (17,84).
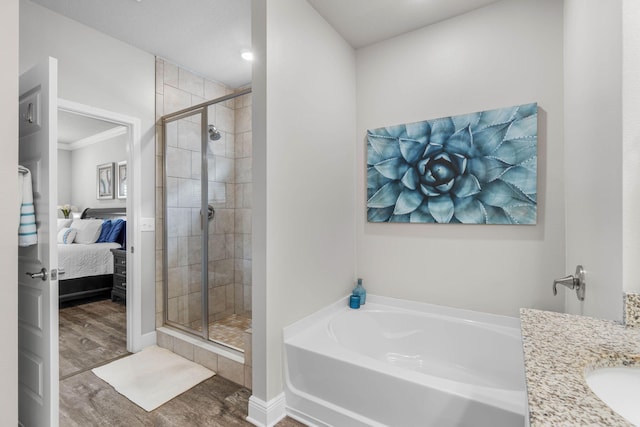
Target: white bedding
(80,260)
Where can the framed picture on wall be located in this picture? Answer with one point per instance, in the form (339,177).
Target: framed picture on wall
(121,186)
(104,181)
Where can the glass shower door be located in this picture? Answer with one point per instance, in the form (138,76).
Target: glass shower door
(186,229)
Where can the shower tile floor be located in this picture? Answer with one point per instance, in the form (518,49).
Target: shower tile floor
(230,330)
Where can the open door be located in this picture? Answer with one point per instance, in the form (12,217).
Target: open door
(38,388)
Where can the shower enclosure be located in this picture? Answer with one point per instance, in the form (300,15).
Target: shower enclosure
(207,219)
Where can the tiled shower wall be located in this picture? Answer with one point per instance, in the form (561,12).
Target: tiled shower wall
(229,192)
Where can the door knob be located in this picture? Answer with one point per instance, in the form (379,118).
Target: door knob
(42,274)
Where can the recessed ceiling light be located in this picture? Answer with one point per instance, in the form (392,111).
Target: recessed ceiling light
(247,55)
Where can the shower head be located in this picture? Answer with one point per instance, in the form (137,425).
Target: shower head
(214,134)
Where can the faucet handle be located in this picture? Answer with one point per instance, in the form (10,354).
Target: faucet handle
(572,282)
(569,282)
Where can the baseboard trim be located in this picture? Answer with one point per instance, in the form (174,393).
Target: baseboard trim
(148,339)
(266,414)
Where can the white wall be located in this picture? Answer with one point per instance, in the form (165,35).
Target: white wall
(304,242)
(505,54)
(83,172)
(100,71)
(631,143)
(9,216)
(593,149)
(64,178)
(77,173)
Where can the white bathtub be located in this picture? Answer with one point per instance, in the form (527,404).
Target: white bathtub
(401,363)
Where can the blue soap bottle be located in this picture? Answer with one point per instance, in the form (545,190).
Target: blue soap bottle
(360,291)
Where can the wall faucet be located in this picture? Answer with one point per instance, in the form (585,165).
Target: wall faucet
(572,282)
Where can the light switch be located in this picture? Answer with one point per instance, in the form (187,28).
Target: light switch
(147,224)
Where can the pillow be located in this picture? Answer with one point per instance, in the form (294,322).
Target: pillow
(66,235)
(106,228)
(63,223)
(116,228)
(88,230)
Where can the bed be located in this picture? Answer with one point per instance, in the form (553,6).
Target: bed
(88,267)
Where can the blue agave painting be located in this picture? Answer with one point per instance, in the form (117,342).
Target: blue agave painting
(476,168)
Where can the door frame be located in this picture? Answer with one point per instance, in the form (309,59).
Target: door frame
(134,207)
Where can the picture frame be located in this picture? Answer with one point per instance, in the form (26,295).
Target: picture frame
(104,181)
(121,181)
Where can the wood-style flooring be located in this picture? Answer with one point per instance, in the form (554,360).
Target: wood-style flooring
(91,335)
(97,330)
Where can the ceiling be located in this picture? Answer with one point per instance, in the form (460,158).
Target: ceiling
(204,36)
(77,131)
(364,22)
(207,36)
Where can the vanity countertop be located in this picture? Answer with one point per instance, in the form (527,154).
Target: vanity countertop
(558,349)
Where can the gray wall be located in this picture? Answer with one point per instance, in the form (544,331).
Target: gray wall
(77,173)
(593,140)
(83,172)
(493,57)
(631,143)
(100,71)
(304,175)
(9,216)
(64,178)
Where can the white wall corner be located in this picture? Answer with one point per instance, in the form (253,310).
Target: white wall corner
(266,414)
(147,340)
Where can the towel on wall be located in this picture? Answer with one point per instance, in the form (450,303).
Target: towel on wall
(27,232)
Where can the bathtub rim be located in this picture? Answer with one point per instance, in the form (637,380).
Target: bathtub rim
(289,332)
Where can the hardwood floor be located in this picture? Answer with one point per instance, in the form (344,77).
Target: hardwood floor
(94,334)
(91,335)
(86,400)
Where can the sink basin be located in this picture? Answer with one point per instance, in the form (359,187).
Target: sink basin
(619,388)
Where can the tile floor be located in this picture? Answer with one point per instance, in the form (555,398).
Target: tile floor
(229,331)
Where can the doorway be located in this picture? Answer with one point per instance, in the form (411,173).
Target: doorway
(131,135)
(92,310)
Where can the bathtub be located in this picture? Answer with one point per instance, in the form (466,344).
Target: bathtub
(402,363)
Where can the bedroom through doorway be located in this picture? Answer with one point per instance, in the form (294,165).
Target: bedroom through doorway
(93,154)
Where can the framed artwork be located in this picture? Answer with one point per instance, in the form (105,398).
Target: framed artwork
(478,168)
(104,181)
(121,182)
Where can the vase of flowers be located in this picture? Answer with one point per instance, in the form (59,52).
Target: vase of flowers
(66,210)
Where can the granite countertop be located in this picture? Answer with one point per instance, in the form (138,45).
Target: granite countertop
(558,349)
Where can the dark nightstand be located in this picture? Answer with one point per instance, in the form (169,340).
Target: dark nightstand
(119,290)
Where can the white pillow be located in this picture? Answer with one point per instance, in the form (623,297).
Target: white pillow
(66,235)
(88,230)
(63,223)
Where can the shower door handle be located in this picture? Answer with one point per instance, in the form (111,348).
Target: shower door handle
(210,214)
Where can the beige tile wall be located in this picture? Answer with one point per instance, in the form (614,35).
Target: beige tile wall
(229,191)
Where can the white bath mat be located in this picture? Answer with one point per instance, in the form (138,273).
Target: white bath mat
(152,376)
